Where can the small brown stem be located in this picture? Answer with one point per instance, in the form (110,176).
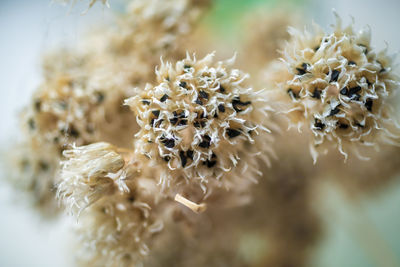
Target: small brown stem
(198,208)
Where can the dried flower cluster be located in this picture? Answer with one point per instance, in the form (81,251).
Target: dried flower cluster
(199,134)
(200,121)
(340,88)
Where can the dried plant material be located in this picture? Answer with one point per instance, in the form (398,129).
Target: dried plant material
(341,89)
(200,121)
(157,27)
(117,229)
(107,189)
(265,34)
(198,208)
(85,175)
(201,138)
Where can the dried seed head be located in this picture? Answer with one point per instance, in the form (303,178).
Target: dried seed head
(200,121)
(86,175)
(338,86)
(118,229)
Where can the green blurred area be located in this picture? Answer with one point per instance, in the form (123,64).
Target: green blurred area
(225,16)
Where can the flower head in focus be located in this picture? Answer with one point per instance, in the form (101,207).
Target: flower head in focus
(200,121)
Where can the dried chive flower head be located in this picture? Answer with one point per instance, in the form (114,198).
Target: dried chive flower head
(340,87)
(200,121)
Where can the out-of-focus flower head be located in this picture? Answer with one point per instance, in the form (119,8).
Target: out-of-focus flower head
(340,88)
(114,201)
(201,121)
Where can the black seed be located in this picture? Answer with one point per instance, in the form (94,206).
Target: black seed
(73,132)
(211,163)
(236,103)
(196,124)
(232,132)
(183,84)
(145,102)
(183,158)
(203,94)
(354,90)
(156,113)
(215,115)
(167,158)
(368,104)
(334,111)
(344,91)
(43,165)
(187,66)
(334,76)
(317,93)
(300,71)
(182,122)
(189,154)
(343,126)
(32,124)
(382,70)
(316,48)
(99,97)
(368,82)
(170,143)
(199,102)
(152,122)
(303,69)
(221,107)
(319,125)
(206,142)
(221,89)
(351,63)
(173,121)
(202,124)
(131,199)
(292,94)
(38,105)
(164,98)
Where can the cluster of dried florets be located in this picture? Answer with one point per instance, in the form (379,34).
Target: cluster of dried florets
(199,122)
(114,200)
(201,128)
(340,88)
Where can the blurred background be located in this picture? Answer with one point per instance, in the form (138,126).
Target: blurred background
(365,234)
